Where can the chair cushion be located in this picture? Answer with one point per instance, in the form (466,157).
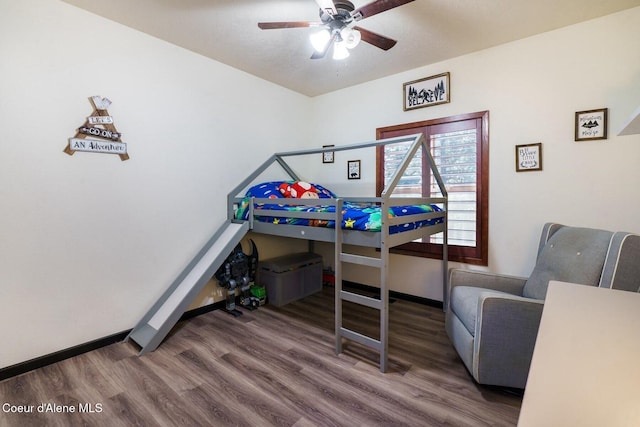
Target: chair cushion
(464,304)
(622,269)
(572,254)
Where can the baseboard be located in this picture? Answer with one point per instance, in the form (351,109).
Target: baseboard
(202,310)
(58,356)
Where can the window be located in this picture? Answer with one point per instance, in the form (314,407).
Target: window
(459,146)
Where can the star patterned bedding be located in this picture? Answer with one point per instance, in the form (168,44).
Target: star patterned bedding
(356,216)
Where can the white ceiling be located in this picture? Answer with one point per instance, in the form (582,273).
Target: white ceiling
(427,31)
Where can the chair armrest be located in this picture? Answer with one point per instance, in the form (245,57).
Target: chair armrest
(506,332)
(497,282)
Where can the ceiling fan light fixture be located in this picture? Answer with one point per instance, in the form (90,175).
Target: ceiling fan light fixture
(340,50)
(338,19)
(350,37)
(319,40)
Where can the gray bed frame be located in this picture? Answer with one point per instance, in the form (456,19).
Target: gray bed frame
(340,237)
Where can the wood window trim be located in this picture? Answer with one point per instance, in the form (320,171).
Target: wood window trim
(478,255)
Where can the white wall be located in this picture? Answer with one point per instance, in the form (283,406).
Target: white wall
(532,88)
(88,242)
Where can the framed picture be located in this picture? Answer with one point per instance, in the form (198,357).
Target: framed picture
(529,157)
(353,169)
(591,125)
(426,92)
(327,156)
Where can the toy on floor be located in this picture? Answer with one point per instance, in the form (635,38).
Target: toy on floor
(239,272)
(254,297)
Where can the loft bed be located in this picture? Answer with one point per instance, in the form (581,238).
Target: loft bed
(320,215)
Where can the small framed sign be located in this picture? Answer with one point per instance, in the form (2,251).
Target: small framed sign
(426,92)
(529,157)
(353,169)
(591,125)
(327,156)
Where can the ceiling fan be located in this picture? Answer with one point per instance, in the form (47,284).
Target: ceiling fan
(338,26)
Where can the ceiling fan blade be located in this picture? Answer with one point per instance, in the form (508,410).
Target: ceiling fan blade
(279,25)
(327,6)
(323,53)
(376,7)
(384,43)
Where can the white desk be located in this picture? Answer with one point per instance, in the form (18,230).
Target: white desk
(586,363)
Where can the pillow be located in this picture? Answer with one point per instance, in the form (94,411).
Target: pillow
(572,254)
(304,190)
(265,190)
(324,193)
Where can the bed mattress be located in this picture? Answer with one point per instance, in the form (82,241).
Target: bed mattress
(356,216)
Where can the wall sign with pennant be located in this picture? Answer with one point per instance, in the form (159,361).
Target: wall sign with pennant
(98,134)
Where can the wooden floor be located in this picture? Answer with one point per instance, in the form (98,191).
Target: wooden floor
(272,366)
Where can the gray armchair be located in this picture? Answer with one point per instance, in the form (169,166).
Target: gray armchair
(492,320)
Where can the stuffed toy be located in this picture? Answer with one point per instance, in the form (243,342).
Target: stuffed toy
(298,190)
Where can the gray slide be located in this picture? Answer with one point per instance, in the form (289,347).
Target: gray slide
(165,313)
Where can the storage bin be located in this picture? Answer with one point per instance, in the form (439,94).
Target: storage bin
(290,277)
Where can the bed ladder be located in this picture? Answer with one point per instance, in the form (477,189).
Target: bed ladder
(165,313)
(382,305)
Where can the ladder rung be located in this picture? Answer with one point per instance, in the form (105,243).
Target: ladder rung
(362,339)
(361,260)
(361,299)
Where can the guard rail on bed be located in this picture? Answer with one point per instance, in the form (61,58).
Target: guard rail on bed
(430,223)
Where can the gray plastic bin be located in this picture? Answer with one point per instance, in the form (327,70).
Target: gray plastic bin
(290,277)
